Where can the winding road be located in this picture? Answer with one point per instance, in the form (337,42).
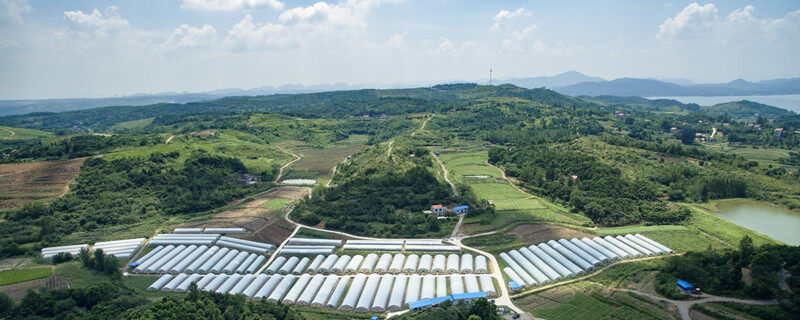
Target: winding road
(685,305)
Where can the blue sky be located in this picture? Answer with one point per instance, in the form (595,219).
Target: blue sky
(51,49)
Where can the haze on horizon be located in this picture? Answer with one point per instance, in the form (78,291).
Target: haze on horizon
(67,49)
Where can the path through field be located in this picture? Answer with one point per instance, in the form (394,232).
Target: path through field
(280,171)
(12,133)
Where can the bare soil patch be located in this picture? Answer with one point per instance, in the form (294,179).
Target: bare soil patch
(36,181)
(15,263)
(263,225)
(537,233)
(17,291)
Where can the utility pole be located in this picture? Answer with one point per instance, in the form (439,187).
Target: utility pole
(490,76)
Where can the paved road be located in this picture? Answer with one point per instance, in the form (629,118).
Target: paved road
(685,305)
(503,298)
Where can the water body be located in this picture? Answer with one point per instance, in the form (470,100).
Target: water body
(789,101)
(778,224)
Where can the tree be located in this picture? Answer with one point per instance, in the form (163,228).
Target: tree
(746,250)
(687,136)
(6,304)
(99,260)
(474,317)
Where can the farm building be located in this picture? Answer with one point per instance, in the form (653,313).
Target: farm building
(460,209)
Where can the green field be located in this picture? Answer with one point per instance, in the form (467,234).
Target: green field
(257,155)
(20,275)
(276,204)
(764,156)
(580,306)
(131,125)
(22,133)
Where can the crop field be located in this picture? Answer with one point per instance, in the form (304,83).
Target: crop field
(22,133)
(463,166)
(276,204)
(318,161)
(764,156)
(496,191)
(20,275)
(580,306)
(36,181)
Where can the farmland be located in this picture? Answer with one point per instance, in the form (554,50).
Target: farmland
(317,160)
(20,275)
(36,181)
(22,133)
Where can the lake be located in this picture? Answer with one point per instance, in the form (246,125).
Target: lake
(789,101)
(778,224)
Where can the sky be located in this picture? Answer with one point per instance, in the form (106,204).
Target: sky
(103,48)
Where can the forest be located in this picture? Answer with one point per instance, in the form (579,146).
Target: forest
(381,204)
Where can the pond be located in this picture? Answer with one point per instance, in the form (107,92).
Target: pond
(778,224)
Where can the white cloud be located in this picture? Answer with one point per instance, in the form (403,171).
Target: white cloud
(515,41)
(317,22)
(230,5)
(396,41)
(11,11)
(248,35)
(703,23)
(693,17)
(502,17)
(96,23)
(189,37)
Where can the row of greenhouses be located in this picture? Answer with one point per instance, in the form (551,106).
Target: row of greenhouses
(557,260)
(380,264)
(360,293)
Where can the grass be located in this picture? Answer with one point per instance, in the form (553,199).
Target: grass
(20,275)
(721,229)
(311,233)
(131,125)
(22,133)
(276,204)
(496,191)
(579,307)
(764,156)
(79,277)
(256,154)
(493,239)
(317,160)
(638,229)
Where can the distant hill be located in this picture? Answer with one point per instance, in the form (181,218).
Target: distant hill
(739,110)
(649,88)
(560,80)
(746,110)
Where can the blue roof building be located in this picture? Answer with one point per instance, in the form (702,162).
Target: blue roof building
(514,286)
(469,296)
(460,209)
(425,303)
(685,286)
(466,297)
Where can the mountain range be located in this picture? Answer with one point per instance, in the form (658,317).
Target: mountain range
(570,83)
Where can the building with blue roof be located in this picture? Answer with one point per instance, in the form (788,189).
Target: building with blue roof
(426,303)
(469,296)
(687,287)
(514,286)
(460,209)
(432,302)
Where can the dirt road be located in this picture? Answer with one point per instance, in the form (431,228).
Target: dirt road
(280,171)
